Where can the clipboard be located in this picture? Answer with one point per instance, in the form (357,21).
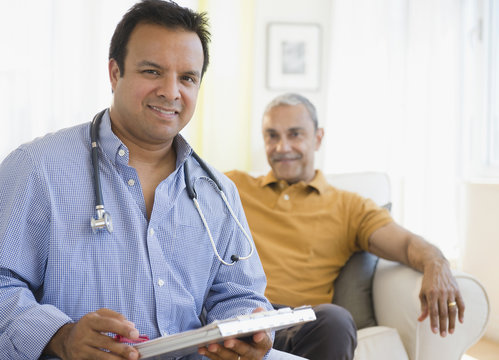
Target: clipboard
(187,342)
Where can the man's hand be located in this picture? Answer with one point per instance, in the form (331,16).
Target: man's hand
(439,295)
(234,349)
(87,338)
(440,298)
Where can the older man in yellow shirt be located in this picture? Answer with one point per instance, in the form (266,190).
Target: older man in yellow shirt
(305,230)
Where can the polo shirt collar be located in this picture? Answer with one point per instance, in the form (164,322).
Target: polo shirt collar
(318,183)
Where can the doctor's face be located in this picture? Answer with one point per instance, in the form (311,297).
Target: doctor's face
(290,142)
(156,96)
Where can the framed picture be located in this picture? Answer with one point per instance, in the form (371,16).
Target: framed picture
(293,56)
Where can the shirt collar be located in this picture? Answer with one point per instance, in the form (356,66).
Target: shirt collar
(111,144)
(318,183)
(183,149)
(108,141)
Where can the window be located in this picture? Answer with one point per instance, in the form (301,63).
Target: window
(480,94)
(493,87)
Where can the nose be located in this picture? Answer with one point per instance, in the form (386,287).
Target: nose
(283,145)
(169,88)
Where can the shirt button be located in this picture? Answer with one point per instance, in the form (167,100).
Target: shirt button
(131,182)
(161,282)
(286,197)
(151,231)
(121,152)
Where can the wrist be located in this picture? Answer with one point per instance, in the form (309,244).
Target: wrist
(438,261)
(56,345)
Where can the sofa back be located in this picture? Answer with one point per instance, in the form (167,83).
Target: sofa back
(373,185)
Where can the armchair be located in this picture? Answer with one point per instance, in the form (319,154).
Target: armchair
(383,297)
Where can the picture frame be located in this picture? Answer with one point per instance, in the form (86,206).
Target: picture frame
(293,56)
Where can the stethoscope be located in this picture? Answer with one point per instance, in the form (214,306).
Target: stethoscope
(104,221)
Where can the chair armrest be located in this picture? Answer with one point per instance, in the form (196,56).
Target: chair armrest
(396,304)
(281,355)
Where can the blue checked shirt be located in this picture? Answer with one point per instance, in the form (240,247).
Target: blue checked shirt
(159,273)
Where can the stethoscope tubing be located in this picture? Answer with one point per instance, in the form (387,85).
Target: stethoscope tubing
(103,219)
(192,194)
(95,157)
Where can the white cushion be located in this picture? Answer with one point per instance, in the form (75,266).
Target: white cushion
(379,343)
(281,355)
(395,293)
(372,185)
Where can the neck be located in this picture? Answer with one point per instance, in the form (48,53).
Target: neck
(150,156)
(144,153)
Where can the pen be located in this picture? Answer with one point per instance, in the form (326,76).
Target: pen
(122,339)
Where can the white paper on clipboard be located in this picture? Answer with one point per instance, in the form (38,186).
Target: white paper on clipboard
(181,344)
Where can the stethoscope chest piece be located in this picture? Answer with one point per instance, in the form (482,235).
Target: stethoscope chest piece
(102,221)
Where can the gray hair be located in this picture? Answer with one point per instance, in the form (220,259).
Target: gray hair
(294,99)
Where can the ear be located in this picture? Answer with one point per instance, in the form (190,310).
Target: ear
(319,134)
(114,73)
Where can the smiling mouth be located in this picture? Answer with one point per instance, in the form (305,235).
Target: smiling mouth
(285,159)
(163,111)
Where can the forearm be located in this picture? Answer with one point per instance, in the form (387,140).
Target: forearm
(221,304)
(423,256)
(393,242)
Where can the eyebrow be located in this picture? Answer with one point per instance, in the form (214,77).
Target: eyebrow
(298,128)
(193,73)
(145,63)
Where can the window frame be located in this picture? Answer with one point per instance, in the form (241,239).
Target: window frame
(492,112)
(480,86)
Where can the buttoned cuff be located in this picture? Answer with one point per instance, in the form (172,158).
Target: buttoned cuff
(30,333)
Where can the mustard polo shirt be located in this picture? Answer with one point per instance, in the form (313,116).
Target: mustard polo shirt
(305,233)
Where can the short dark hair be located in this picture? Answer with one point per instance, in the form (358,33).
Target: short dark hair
(165,13)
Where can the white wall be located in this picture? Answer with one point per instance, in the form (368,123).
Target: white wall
(53,67)
(482,243)
(285,11)
(478,214)
(64,67)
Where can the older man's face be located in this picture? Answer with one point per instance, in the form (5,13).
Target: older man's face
(290,142)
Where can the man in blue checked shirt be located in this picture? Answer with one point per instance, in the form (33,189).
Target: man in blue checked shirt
(64,290)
